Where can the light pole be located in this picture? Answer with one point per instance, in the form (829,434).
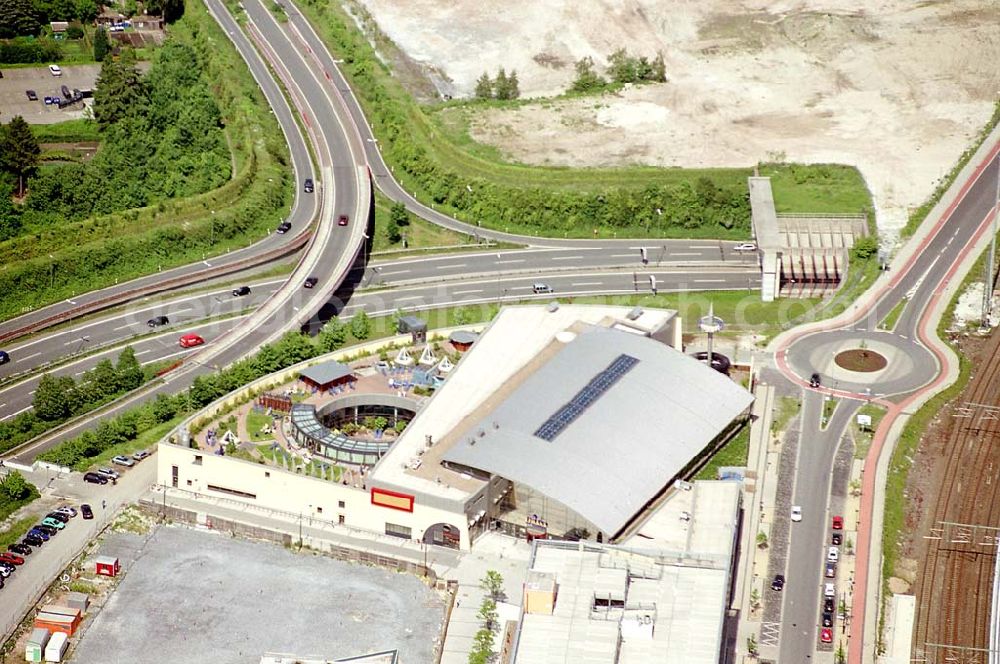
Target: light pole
(212,241)
(364,257)
(52,271)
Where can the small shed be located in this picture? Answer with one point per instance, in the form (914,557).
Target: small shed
(56,647)
(462,340)
(59,27)
(327,375)
(415,327)
(34,650)
(108,565)
(79,601)
(58,619)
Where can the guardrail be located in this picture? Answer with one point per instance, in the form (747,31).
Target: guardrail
(125,296)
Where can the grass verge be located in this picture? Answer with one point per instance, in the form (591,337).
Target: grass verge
(788,407)
(889,322)
(16,532)
(863,436)
(733,453)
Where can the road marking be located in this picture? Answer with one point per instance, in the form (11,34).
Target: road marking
(412,297)
(621,255)
(143,352)
(710,246)
(903,336)
(589,283)
(520,260)
(207,263)
(180,352)
(385,272)
(114,330)
(27,357)
(708,281)
(696,253)
(463,292)
(70,301)
(567,258)
(14,414)
(448,267)
(31,392)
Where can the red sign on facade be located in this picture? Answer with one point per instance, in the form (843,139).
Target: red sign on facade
(391,499)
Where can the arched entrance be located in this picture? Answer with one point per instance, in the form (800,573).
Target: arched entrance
(443,534)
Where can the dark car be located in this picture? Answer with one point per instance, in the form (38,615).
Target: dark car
(827,620)
(40,534)
(86,511)
(837,539)
(310,282)
(4,357)
(284,227)
(94,478)
(814,380)
(778,583)
(58,516)
(828,605)
(33,541)
(342,220)
(158,321)
(241,291)
(308,186)
(831,570)
(22,549)
(65,91)
(32,95)
(48,530)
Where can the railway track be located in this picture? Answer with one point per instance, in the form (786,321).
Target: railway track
(955,578)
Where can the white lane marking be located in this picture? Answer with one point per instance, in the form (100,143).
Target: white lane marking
(521,260)
(31,392)
(167,357)
(385,272)
(27,357)
(448,267)
(143,352)
(710,246)
(621,255)
(207,263)
(589,283)
(708,281)
(69,301)
(697,253)
(567,258)
(463,292)
(413,297)
(14,414)
(114,330)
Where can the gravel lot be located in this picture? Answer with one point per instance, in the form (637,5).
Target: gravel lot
(192,596)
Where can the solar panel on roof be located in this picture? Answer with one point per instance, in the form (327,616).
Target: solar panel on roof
(587,395)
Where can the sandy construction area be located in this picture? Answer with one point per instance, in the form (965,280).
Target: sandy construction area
(896,87)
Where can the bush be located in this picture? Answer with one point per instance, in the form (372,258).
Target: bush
(23,50)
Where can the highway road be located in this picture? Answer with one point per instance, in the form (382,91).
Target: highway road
(912,366)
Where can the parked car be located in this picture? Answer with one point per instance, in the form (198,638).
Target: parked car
(541,288)
(832,554)
(110,473)
(308,186)
(837,539)
(745,246)
(829,590)
(310,282)
(48,530)
(140,455)
(55,70)
(12,558)
(342,220)
(40,534)
(32,95)
(122,460)
(778,583)
(65,92)
(158,321)
(56,100)
(284,227)
(22,549)
(58,516)
(241,291)
(796,513)
(4,357)
(34,541)
(6,569)
(48,101)
(827,619)
(838,523)
(53,523)
(94,478)
(831,570)
(86,511)
(826,635)
(814,380)
(190,341)
(828,602)
(67,509)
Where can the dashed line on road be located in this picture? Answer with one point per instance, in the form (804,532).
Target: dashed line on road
(463,292)
(567,258)
(708,281)
(5,417)
(589,283)
(27,357)
(450,266)
(519,260)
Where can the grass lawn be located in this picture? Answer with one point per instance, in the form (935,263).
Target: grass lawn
(829,405)
(419,233)
(787,408)
(257,421)
(863,437)
(734,453)
(16,532)
(146,441)
(68,131)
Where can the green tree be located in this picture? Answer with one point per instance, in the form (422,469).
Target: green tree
(18,18)
(361,326)
(101,45)
(864,248)
(659,69)
(294,347)
(19,151)
(392,232)
(10,214)
(15,487)
(86,11)
(587,80)
(513,86)
(399,214)
(482,647)
(622,67)
(501,85)
(492,583)
(484,87)
(103,379)
(53,397)
(130,373)
(488,614)
(332,336)
(120,92)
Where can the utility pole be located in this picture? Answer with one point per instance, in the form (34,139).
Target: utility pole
(991,257)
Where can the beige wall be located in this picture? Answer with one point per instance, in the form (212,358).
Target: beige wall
(274,488)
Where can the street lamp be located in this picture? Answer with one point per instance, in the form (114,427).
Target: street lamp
(52,271)
(364,256)
(212,241)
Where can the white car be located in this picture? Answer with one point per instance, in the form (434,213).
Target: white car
(122,460)
(55,70)
(67,510)
(107,472)
(796,513)
(745,246)
(832,554)
(829,590)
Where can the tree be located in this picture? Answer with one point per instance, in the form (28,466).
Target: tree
(53,397)
(864,248)
(86,11)
(19,151)
(103,380)
(492,583)
(622,67)
(361,326)
(130,373)
(14,487)
(332,336)
(18,18)
(513,87)
(587,80)
(101,45)
(10,214)
(392,232)
(659,69)
(501,85)
(119,92)
(482,647)
(399,214)
(484,87)
(488,614)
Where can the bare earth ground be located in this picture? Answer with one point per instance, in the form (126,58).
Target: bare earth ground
(895,87)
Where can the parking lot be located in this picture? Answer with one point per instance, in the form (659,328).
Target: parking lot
(195,596)
(14,101)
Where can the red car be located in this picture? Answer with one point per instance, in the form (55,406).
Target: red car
(13,559)
(342,220)
(191,340)
(826,635)
(838,523)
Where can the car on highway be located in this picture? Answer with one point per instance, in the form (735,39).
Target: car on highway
(778,583)
(158,321)
(826,635)
(241,291)
(110,473)
(831,570)
(55,70)
(122,460)
(310,282)
(837,539)
(22,549)
(284,227)
(308,186)
(86,511)
(140,455)
(832,554)
(796,513)
(4,357)
(541,288)
(745,246)
(32,540)
(342,220)
(94,478)
(827,619)
(53,523)
(32,95)
(11,558)
(838,523)
(814,380)
(190,341)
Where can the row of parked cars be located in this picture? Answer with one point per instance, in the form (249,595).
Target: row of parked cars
(105,475)
(49,527)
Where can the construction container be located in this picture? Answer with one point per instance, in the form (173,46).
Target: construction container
(34,650)
(78,601)
(58,619)
(56,647)
(108,565)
